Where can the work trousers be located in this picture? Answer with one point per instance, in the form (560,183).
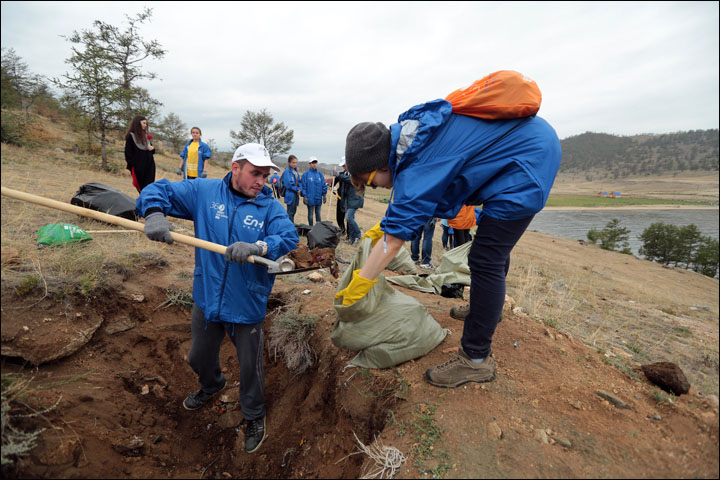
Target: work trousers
(204,358)
(489,262)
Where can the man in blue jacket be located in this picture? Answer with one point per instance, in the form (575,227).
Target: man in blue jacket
(436,161)
(230,294)
(291,182)
(314,190)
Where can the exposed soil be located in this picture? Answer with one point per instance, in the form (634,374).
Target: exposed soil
(120,398)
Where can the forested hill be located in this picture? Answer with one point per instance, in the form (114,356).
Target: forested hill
(615,156)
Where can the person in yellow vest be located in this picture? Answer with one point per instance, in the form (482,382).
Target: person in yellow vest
(194,156)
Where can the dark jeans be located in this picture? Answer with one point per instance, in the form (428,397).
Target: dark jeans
(447,239)
(311,209)
(461,237)
(340,216)
(427,234)
(204,358)
(292,208)
(353,230)
(489,262)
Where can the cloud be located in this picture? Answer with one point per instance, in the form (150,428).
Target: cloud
(321,67)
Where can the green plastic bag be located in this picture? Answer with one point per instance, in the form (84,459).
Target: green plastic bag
(61,234)
(386,326)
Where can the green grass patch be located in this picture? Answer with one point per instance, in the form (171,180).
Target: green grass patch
(589,201)
(428,459)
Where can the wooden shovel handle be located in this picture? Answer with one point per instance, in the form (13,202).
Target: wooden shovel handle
(123,222)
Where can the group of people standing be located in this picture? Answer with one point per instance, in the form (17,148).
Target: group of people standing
(313,189)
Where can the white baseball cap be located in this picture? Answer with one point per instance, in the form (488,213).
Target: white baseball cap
(256,154)
(342,161)
(313,159)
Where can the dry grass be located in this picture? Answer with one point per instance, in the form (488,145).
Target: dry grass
(18,438)
(289,337)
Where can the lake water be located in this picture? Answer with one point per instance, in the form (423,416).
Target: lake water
(575,224)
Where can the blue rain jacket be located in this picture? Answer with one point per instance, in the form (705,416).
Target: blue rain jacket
(441,161)
(313,187)
(224,290)
(204,153)
(291,181)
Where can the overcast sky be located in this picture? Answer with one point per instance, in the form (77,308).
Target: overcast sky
(622,68)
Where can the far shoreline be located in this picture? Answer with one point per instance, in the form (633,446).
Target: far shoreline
(641,207)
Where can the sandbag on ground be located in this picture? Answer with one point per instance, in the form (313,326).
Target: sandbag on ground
(453,269)
(386,326)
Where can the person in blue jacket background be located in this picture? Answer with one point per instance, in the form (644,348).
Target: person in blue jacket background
(291,182)
(194,156)
(230,295)
(314,190)
(437,161)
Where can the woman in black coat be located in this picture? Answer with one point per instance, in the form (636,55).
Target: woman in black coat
(139,153)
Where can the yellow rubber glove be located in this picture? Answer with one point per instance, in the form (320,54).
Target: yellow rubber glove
(356,289)
(375,234)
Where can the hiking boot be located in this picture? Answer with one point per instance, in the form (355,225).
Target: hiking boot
(459,370)
(459,313)
(197,399)
(255,433)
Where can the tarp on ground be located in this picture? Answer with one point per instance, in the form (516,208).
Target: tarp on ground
(453,269)
(386,327)
(102,198)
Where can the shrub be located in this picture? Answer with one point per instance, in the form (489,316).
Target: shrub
(612,237)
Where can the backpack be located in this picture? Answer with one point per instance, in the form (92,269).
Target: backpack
(281,188)
(501,95)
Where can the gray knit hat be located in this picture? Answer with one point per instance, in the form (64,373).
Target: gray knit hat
(367,147)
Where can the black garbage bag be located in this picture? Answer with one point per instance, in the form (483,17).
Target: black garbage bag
(102,198)
(323,235)
(452,290)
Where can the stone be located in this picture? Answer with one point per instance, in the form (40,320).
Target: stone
(230,419)
(494,431)
(667,376)
(541,435)
(315,277)
(613,399)
(119,324)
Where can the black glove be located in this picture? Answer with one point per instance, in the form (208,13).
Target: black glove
(178,171)
(239,251)
(203,174)
(157,228)
(324,199)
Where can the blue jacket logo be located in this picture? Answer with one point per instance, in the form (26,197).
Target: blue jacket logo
(219,210)
(253,222)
